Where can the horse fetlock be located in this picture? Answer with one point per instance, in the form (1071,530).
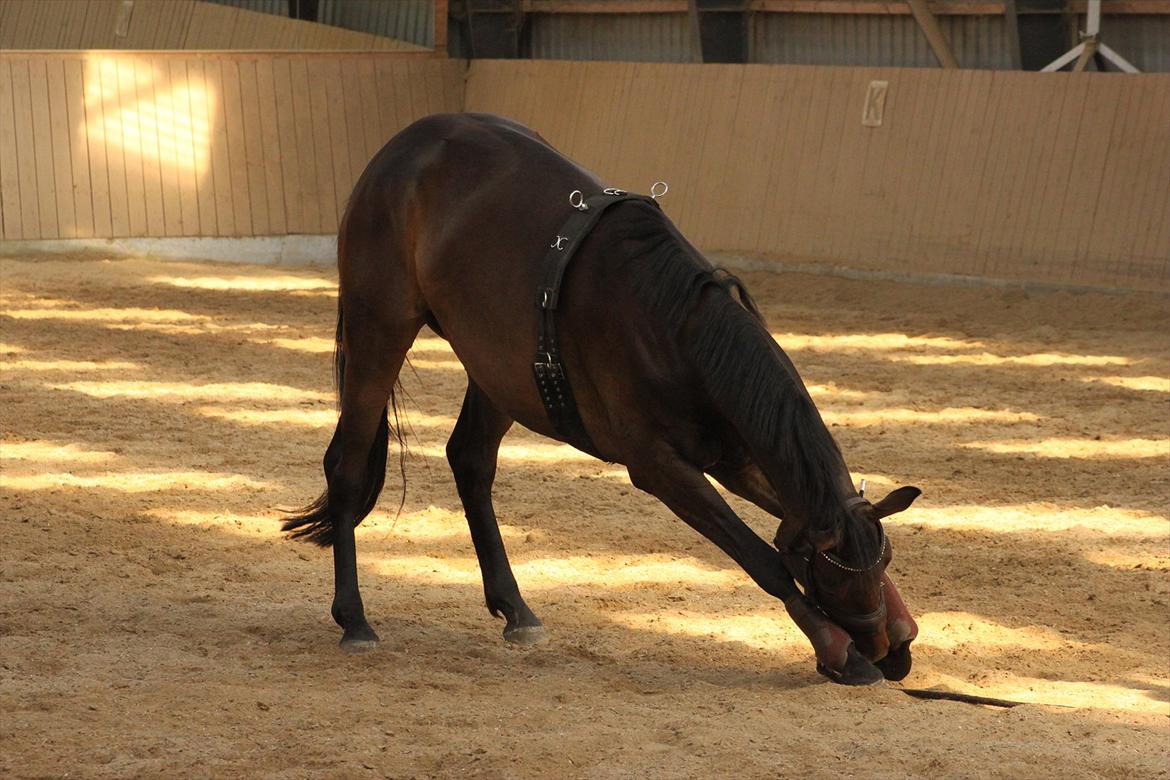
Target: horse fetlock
(348,615)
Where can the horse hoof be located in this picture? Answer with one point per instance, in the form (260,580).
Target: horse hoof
(356,646)
(359,640)
(896,665)
(525,635)
(857,671)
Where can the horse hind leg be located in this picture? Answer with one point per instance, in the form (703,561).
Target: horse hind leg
(355,462)
(472,452)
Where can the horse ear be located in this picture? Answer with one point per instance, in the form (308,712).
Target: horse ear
(895,502)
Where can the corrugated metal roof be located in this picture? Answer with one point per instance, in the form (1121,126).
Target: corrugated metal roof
(658,37)
(406,20)
(1143,40)
(874,40)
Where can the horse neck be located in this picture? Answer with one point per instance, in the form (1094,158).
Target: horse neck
(758,391)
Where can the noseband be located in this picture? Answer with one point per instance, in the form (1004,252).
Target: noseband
(866,622)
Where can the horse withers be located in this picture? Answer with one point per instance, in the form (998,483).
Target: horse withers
(674,375)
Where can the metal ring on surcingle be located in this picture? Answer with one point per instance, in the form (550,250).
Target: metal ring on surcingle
(577,200)
(655,192)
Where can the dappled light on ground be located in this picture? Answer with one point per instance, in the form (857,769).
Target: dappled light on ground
(129,315)
(246,283)
(951,416)
(68,365)
(611,572)
(770,633)
(170,391)
(1156,384)
(1038,360)
(41,452)
(158,419)
(132,481)
(1077,448)
(1040,517)
(871,341)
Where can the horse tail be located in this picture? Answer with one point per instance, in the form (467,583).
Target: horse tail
(315,523)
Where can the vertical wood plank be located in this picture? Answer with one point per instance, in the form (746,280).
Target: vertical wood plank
(236,146)
(338,133)
(171,124)
(270,146)
(355,122)
(254,149)
(78,139)
(221,166)
(42,126)
(290,160)
(205,116)
(10,217)
(319,118)
(26,161)
(150,126)
(184,158)
(63,179)
(310,193)
(128,109)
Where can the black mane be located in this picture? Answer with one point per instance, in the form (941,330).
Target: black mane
(746,376)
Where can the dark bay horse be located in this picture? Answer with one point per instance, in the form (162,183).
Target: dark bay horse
(674,372)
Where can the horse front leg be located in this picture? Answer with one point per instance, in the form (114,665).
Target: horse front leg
(687,493)
(472,453)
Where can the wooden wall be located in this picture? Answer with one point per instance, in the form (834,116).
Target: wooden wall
(1060,178)
(168,24)
(156,144)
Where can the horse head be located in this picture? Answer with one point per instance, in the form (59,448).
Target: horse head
(843,573)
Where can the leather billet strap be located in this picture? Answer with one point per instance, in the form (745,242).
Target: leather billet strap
(551,379)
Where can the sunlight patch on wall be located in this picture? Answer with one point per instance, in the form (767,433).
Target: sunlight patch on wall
(1077,448)
(11,349)
(244,283)
(134,482)
(172,391)
(1027,518)
(171,124)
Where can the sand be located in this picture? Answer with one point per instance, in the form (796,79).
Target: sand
(155,416)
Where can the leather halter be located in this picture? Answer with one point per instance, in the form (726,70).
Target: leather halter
(552,382)
(867,621)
